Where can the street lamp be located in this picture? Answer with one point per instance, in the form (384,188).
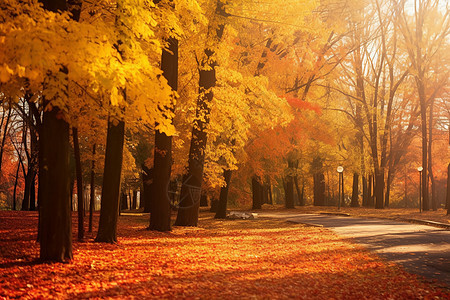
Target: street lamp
(340,170)
(420,169)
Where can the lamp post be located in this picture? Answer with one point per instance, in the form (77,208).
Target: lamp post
(420,169)
(340,170)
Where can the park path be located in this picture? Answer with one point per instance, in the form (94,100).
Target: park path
(421,249)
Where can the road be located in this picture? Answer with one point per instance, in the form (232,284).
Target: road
(421,249)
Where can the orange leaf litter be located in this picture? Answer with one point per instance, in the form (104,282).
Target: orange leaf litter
(262,259)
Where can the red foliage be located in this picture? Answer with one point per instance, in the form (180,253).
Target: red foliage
(303,105)
(267,259)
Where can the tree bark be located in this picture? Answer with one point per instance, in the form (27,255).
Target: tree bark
(365,202)
(109,211)
(370,191)
(448,190)
(92,196)
(297,189)
(256,193)
(147,183)
(379,189)
(33,193)
(5,132)
(161,210)
(355,192)
(269,190)
(223,199)
(134,202)
(123,201)
(430,157)
(319,189)
(55,234)
(79,174)
(15,186)
(388,187)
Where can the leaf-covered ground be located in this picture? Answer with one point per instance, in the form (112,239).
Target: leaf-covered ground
(263,259)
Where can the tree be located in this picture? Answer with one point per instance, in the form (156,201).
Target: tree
(192,181)
(423,40)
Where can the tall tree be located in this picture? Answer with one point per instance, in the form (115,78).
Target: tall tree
(161,210)
(192,181)
(54,186)
(423,41)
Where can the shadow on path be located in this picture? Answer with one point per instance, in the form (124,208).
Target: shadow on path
(421,249)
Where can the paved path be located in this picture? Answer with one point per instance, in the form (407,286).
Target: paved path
(421,249)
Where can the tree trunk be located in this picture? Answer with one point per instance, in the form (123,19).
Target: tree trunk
(160,208)
(5,131)
(134,202)
(379,189)
(365,202)
(79,174)
(192,181)
(33,192)
(370,191)
(147,183)
(448,190)
(297,189)
(123,201)
(430,157)
(423,115)
(203,200)
(355,192)
(55,229)
(319,189)
(26,192)
(388,187)
(256,193)
(269,190)
(109,211)
(15,186)
(92,196)
(223,199)
(161,212)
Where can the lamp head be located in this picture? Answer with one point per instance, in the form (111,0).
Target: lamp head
(340,169)
(420,169)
